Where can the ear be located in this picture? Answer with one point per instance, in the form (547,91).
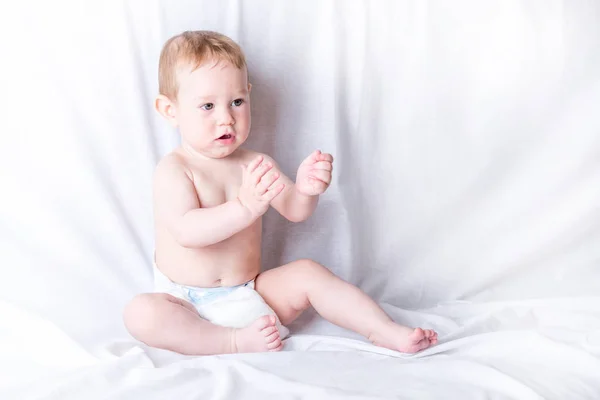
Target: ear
(165,107)
(249,88)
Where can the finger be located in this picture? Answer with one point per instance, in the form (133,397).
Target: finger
(260,172)
(274,192)
(326,157)
(312,158)
(321,175)
(324,165)
(266,182)
(254,164)
(318,185)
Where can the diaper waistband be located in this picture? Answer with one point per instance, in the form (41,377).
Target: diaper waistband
(195,295)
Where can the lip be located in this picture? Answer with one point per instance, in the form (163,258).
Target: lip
(228,140)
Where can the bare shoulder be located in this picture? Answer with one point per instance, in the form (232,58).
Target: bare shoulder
(171,173)
(174,190)
(170,165)
(248,156)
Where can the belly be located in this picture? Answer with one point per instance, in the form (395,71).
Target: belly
(231,262)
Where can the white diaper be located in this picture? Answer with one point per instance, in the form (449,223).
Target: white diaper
(234,307)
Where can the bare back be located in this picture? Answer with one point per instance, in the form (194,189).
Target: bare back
(184,183)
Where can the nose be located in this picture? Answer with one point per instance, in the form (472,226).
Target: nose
(225,118)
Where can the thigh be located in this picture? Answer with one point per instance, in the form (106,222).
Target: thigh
(150,308)
(286,289)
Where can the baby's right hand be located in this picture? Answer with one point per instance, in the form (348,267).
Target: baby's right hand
(257,190)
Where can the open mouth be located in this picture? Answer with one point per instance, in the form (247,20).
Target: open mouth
(226,136)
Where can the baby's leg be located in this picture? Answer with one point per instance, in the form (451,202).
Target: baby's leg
(290,289)
(166,322)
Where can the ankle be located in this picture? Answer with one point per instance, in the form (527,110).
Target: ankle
(376,332)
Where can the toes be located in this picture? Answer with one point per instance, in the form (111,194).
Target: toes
(428,334)
(418,335)
(272,337)
(425,343)
(264,322)
(277,348)
(274,344)
(433,338)
(269,330)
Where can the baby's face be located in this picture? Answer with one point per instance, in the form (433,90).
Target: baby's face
(213,108)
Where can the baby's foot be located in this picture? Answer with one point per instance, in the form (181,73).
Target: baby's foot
(261,335)
(402,338)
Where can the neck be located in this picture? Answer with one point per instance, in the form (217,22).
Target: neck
(189,150)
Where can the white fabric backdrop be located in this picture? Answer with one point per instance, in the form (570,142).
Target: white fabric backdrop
(466,193)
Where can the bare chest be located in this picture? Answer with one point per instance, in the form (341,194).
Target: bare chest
(215,187)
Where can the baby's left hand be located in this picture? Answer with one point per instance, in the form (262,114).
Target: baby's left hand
(314,174)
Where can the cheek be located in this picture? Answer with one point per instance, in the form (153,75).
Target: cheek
(244,115)
(195,118)
(195,125)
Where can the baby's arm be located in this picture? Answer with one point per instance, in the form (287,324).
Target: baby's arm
(293,205)
(298,201)
(178,208)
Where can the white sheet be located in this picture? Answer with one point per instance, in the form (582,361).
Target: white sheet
(467,184)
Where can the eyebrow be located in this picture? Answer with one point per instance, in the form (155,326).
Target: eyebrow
(205,98)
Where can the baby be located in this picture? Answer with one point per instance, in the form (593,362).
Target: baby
(209,197)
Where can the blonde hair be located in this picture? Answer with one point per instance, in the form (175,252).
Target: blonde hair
(194,48)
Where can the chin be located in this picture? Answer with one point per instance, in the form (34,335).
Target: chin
(225,152)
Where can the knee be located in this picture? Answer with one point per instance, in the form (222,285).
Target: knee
(311,269)
(141,315)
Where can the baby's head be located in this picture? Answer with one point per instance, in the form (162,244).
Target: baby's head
(204,91)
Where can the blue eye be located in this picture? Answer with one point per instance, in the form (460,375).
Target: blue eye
(208,106)
(237,102)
